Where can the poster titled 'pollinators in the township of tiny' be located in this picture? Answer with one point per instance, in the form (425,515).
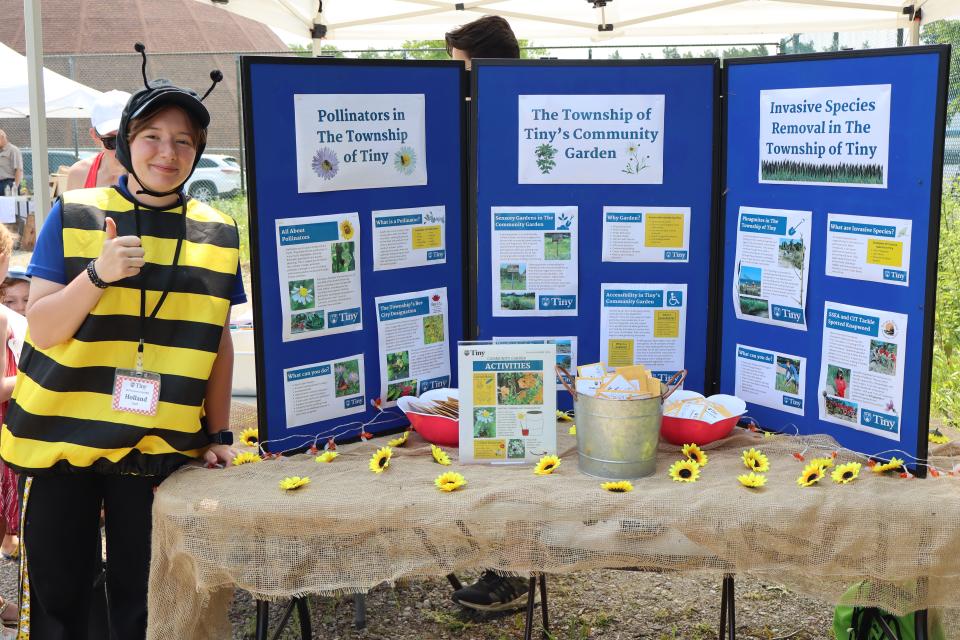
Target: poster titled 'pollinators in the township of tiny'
(359,141)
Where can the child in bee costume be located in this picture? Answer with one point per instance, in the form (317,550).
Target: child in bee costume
(126,373)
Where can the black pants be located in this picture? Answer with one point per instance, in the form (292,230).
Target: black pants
(3,186)
(61,527)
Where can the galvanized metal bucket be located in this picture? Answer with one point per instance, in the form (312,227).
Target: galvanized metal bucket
(617,439)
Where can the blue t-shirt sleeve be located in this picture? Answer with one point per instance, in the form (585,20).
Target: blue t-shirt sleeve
(47,261)
(238,295)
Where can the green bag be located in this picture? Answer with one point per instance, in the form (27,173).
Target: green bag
(863,623)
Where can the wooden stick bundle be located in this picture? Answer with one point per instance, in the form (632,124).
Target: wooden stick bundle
(449,408)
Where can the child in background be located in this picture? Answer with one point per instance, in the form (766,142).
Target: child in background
(13,330)
(16,290)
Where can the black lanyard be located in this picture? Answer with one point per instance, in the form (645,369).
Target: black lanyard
(163,294)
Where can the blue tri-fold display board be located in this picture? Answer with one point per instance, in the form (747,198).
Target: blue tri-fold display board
(519,104)
(271,86)
(658,180)
(896,198)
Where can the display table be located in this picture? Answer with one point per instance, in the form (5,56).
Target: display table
(350,529)
(13,207)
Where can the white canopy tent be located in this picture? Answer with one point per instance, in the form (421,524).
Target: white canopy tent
(397,20)
(65,98)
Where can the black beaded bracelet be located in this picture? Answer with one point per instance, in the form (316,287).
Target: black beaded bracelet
(94,278)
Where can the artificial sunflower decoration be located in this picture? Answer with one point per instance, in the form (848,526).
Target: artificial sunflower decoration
(399,442)
(547,465)
(439,455)
(826,463)
(572,430)
(449,481)
(846,473)
(326,456)
(245,457)
(249,437)
(294,482)
(346,230)
(936,437)
(752,480)
(895,464)
(756,461)
(695,453)
(685,471)
(380,460)
(620,486)
(812,474)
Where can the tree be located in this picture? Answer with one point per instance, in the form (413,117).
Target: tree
(793,44)
(306,51)
(947,32)
(671,53)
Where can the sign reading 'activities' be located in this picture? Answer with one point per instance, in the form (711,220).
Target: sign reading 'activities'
(359,141)
(598,139)
(837,136)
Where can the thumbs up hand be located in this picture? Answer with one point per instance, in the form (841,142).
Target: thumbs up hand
(121,257)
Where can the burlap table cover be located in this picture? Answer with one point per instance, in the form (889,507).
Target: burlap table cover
(349,530)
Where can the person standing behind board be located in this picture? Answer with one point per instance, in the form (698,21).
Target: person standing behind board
(102,170)
(486,37)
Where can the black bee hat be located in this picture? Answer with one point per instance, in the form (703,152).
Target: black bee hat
(155,95)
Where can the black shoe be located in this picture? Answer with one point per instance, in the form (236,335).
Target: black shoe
(494,592)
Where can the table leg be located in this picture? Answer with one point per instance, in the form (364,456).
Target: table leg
(263,619)
(728,609)
(723,609)
(531,597)
(359,610)
(303,613)
(543,605)
(920,624)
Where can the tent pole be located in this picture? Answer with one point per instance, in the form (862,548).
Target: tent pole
(33,29)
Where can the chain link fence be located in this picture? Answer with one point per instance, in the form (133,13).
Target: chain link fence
(69,139)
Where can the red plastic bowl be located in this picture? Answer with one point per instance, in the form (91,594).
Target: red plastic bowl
(680,431)
(436,430)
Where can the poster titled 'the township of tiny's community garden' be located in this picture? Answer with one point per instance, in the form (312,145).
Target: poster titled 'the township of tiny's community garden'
(836,136)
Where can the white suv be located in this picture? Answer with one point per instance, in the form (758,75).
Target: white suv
(215,176)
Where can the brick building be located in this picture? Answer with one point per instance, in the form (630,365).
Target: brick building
(92,41)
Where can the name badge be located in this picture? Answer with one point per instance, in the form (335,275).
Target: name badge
(136,392)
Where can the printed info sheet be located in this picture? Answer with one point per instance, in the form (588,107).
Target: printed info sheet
(771,379)
(773,266)
(643,324)
(868,248)
(412,333)
(319,267)
(861,370)
(534,261)
(323,390)
(646,234)
(409,238)
(505,416)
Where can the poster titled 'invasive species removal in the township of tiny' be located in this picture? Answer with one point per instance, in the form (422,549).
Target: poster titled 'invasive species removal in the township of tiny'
(598,139)
(833,136)
(359,141)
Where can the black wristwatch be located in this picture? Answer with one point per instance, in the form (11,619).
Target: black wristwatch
(221,437)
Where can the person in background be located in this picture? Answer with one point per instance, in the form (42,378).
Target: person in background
(132,287)
(11,166)
(102,170)
(486,37)
(15,291)
(12,330)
